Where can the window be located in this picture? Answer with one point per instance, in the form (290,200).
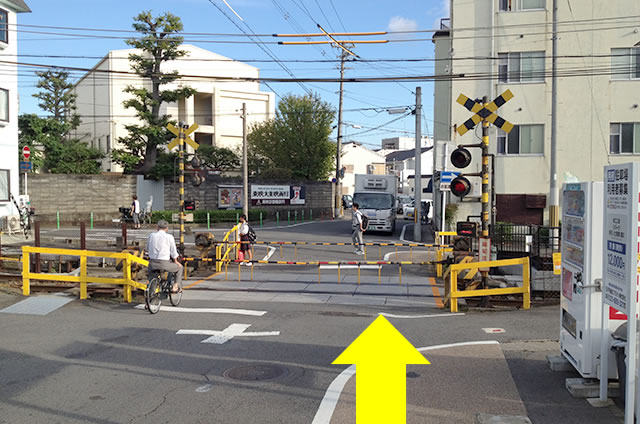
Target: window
(4,105)
(4,27)
(4,185)
(522,140)
(515,5)
(521,67)
(625,63)
(624,138)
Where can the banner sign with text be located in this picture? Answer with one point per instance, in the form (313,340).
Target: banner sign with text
(277,195)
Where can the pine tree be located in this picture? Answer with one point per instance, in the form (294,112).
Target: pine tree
(157,44)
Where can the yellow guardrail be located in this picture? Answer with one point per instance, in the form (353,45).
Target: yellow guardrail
(455,294)
(228,247)
(83,278)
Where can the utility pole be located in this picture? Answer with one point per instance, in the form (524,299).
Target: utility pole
(343,57)
(245,163)
(554,195)
(417,226)
(486,194)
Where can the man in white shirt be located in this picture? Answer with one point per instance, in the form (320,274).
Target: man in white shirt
(163,255)
(357,230)
(135,211)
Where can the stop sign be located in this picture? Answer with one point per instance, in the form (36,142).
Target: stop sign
(26,152)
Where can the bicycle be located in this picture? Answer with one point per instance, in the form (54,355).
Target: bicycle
(161,287)
(26,217)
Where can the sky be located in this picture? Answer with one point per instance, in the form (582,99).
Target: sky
(365,104)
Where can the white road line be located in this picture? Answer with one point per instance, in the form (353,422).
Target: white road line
(404,229)
(204,389)
(269,254)
(332,395)
(232,331)
(350,266)
(246,312)
(420,316)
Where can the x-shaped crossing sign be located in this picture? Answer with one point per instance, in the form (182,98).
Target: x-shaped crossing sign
(187,139)
(485,112)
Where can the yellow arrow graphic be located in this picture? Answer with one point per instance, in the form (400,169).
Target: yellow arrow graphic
(381,354)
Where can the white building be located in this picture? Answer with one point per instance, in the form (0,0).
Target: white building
(495,45)
(403,164)
(216,107)
(404,143)
(9,103)
(357,159)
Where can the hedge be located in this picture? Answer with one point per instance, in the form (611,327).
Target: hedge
(200,216)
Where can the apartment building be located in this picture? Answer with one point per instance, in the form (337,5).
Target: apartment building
(216,106)
(489,46)
(9,10)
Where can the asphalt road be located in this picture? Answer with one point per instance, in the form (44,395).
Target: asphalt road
(106,362)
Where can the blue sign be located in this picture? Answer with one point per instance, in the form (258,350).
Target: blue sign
(25,165)
(448,176)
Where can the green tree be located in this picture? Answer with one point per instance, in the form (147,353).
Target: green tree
(157,44)
(218,158)
(48,137)
(296,142)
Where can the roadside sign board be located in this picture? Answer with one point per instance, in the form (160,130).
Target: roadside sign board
(26,152)
(484,252)
(620,235)
(25,166)
(445,179)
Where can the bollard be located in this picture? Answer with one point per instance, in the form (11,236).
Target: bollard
(278,218)
(91,221)
(288,217)
(226,271)
(311,215)
(295,217)
(358,274)
(260,219)
(237,217)
(83,236)
(400,272)
(208,221)
(338,273)
(303,216)
(239,271)
(58,220)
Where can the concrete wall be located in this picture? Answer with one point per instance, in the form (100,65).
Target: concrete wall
(76,196)
(318,194)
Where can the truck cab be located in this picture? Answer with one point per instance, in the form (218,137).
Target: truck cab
(376,197)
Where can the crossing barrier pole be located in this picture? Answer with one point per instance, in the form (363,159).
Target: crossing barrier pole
(358,274)
(239,271)
(281,252)
(411,253)
(251,272)
(295,248)
(400,273)
(379,274)
(226,271)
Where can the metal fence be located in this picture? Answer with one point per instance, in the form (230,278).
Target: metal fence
(535,241)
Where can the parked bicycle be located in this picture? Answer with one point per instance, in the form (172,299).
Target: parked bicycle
(127,216)
(160,287)
(26,217)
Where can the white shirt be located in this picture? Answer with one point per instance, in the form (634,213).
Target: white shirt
(162,246)
(244,229)
(136,206)
(356,219)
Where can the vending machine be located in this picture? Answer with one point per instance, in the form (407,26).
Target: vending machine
(581,297)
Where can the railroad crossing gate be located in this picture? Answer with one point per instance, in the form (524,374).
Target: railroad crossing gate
(487,112)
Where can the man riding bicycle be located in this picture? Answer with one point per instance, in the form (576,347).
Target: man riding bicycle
(163,255)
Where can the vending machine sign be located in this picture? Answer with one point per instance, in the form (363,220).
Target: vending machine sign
(620,235)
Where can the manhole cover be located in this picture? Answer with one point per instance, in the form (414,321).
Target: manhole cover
(255,373)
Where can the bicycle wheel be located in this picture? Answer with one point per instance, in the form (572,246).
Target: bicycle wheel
(175,298)
(152,296)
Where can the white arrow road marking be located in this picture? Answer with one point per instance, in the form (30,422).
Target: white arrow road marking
(234,330)
(204,389)
(247,312)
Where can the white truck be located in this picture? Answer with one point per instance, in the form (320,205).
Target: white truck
(376,198)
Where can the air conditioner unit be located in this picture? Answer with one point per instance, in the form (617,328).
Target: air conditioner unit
(11,224)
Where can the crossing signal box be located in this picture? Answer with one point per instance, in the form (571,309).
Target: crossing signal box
(467,229)
(461,157)
(189,205)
